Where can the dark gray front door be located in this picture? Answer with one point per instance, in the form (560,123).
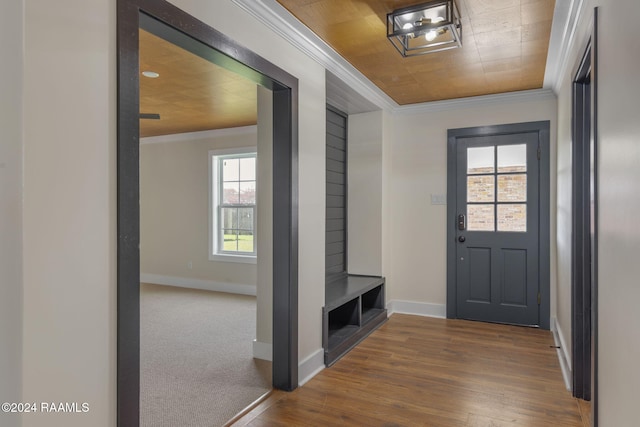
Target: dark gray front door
(497,228)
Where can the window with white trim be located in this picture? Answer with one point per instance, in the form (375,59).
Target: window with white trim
(233,207)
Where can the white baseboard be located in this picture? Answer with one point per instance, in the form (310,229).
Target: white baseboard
(563,355)
(207,285)
(262,350)
(310,366)
(417,308)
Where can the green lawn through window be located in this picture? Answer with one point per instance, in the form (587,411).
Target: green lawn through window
(244,243)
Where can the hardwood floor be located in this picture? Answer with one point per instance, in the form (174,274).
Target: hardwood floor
(419,371)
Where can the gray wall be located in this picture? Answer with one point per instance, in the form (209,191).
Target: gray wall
(11,30)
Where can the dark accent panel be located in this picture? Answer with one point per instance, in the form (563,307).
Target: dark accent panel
(335,225)
(480,271)
(335,130)
(333,248)
(335,213)
(336,154)
(335,117)
(336,189)
(335,260)
(335,202)
(514,277)
(335,178)
(335,236)
(171,23)
(336,166)
(336,195)
(336,141)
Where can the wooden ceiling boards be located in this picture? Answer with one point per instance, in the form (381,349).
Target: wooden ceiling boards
(504,46)
(191,94)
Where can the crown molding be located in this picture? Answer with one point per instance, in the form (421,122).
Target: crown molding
(566,17)
(476,101)
(196,136)
(277,18)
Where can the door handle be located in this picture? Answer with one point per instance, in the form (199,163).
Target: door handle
(461,239)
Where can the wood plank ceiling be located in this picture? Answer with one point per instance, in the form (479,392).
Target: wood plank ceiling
(504,49)
(504,46)
(191,94)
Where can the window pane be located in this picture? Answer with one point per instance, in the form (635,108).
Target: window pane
(480,218)
(481,188)
(231,193)
(512,158)
(229,218)
(480,160)
(245,241)
(248,169)
(230,240)
(512,217)
(248,192)
(245,219)
(230,169)
(512,188)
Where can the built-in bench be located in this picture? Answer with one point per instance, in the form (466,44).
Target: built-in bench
(354,307)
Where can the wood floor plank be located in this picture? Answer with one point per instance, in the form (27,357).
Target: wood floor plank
(419,371)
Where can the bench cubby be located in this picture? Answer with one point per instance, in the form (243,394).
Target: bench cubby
(354,307)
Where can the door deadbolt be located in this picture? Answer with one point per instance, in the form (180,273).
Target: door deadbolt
(461,239)
(462,223)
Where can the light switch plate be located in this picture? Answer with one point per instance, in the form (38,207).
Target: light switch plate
(438,199)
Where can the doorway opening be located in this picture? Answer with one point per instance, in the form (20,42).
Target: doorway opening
(193,35)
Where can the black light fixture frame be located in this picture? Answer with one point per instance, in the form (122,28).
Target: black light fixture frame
(401,37)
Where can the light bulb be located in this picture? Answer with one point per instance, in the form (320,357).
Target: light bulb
(407,26)
(431,35)
(437,19)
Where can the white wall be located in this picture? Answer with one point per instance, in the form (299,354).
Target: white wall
(619,203)
(174,210)
(69,209)
(418,168)
(11,43)
(364,198)
(264,295)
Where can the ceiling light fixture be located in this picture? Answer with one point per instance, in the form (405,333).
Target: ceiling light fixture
(437,21)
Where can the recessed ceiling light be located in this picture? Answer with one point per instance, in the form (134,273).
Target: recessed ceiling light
(151,74)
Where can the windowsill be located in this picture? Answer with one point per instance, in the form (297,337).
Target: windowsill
(242,259)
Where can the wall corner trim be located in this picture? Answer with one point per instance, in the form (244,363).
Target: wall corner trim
(310,366)
(262,350)
(417,308)
(563,357)
(207,285)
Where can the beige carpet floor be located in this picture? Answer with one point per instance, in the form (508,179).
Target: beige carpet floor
(196,363)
